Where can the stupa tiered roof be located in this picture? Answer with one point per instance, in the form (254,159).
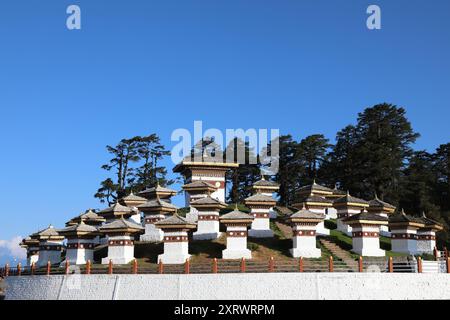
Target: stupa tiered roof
(88,217)
(366,218)
(116,210)
(132,200)
(265,185)
(259,197)
(379,205)
(200,185)
(49,233)
(315,188)
(162,192)
(314,201)
(208,203)
(430,223)
(29,242)
(236,216)
(402,220)
(121,226)
(349,200)
(157,205)
(203,161)
(305,215)
(79,230)
(175,222)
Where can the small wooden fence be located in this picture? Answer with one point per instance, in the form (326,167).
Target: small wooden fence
(239,266)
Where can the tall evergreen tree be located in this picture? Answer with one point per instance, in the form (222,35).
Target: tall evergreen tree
(134,165)
(376,152)
(290,170)
(417,185)
(246,174)
(311,154)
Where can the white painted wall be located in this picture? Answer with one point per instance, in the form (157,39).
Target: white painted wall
(265,286)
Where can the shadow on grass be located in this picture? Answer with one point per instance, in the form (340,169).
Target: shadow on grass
(275,244)
(209,248)
(148,252)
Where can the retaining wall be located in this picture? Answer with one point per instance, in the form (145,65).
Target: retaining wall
(264,286)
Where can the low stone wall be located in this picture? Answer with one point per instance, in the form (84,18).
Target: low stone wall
(232,286)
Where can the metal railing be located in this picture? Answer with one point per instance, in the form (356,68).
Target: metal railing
(397,264)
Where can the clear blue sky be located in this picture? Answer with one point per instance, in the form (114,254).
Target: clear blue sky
(138,67)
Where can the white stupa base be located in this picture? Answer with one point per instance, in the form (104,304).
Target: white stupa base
(206,236)
(152,234)
(45,256)
(321,230)
(254,233)
(173,258)
(192,215)
(236,254)
(79,258)
(117,260)
(306,252)
(375,252)
(32,259)
(344,228)
(136,218)
(332,214)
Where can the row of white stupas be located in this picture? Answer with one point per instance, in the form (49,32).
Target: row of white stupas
(151,217)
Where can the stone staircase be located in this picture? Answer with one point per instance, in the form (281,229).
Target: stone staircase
(285,229)
(340,253)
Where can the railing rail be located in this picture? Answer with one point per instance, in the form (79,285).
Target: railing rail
(383,265)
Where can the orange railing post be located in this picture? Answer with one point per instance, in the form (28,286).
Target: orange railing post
(135,266)
(390,265)
(360,264)
(448,265)
(271,265)
(49,267)
(33,268)
(186,267)
(435,253)
(446,252)
(330,264)
(214,265)
(243,265)
(160,267)
(110,267)
(419,265)
(19,269)
(66,267)
(88,267)
(300,264)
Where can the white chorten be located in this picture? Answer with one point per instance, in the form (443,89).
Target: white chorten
(176,239)
(195,191)
(32,247)
(317,204)
(366,233)
(404,232)
(383,209)
(155,210)
(346,207)
(304,223)
(260,206)
(120,234)
(208,218)
(50,246)
(80,243)
(426,236)
(133,201)
(236,223)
